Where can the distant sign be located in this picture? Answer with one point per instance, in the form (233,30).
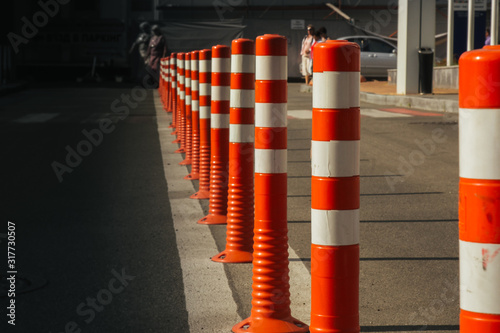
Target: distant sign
(461,5)
(298,24)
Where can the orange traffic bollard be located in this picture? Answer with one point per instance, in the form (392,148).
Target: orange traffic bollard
(187,110)
(219,135)
(161,78)
(335,150)
(181,103)
(167,85)
(479,190)
(195,115)
(205,78)
(164,82)
(270,288)
(240,203)
(173,89)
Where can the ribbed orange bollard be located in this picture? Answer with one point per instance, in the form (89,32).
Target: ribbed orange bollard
(219,135)
(167,85)
(181,104)
(195,115)
(335,150)
(173,89)
(479,190)
(164,80)
(205,77)
(161,79)
(270,288)
(240,203)
(187,110)
(177,110)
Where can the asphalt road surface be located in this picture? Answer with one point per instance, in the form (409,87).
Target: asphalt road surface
(106,238)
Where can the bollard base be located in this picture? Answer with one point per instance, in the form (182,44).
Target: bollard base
(213,219)
(266,325)
(185,162)
(471,322)
(180,151)
(201,195)
(192,176)
(233,256)
(174,132)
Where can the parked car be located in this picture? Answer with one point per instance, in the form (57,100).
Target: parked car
(377,55)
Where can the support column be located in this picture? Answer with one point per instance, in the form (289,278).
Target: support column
(416,29)
(494,22)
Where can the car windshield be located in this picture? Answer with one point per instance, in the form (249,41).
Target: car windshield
(373,45)
(359,41)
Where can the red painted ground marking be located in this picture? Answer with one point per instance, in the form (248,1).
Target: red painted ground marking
(412,112)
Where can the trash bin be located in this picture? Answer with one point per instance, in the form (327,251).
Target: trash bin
(426,68)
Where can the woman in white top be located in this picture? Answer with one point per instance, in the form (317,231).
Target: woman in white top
(305,52)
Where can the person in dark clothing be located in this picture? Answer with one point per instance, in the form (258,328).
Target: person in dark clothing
(157,49)
(139,60)
(322,32)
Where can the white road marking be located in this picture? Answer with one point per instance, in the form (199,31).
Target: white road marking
(36,118)
(374,113)
(300,114)
(209,300)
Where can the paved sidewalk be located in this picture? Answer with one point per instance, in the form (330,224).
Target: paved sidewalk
(383,93)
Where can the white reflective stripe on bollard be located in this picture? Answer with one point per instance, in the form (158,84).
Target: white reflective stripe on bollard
(219,120)
(195,105)
(205,89)
(336,90)
(335,227)
(271,68)
(205,112)
(271,114)
(242,63)
(221,65)
(221,93)
(270,160)
(205,66)
(480,277)
(325,159)
(241,133)
(242,98)
(195,84)
(479,129)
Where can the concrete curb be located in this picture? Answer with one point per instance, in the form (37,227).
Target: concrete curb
(421,102)
(416,102)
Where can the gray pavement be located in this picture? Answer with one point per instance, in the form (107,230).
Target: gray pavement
(124,208)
